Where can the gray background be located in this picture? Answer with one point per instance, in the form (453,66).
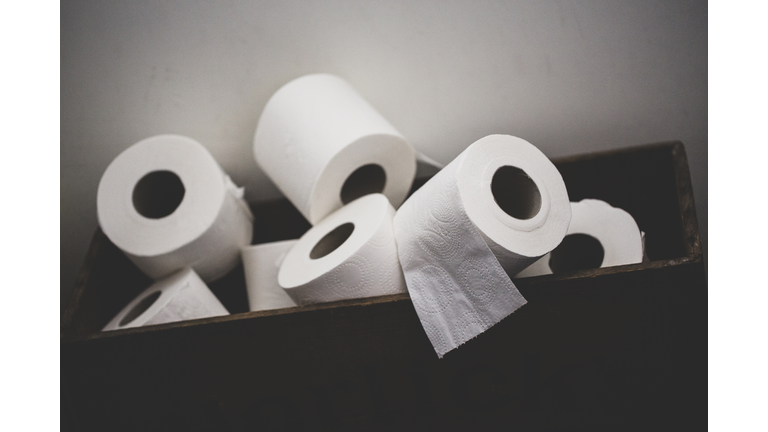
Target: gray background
(568,76)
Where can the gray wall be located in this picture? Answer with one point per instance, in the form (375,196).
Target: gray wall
(568,76)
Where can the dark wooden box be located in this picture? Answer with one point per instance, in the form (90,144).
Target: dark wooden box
(620,348)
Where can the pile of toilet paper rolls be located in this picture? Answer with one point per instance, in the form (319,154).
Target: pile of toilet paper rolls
(167,204)
(495,210)
(346,169)
(349,254)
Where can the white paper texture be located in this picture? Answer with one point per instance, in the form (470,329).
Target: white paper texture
(317,130)
(364,265)
(261,264)
(183,296)
(205,231)
(456,282)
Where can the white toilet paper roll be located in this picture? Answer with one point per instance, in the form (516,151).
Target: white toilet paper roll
(167,204)
(599,236)
(501,202)
(261,263)
(178,297)
(323,145)
(349,254)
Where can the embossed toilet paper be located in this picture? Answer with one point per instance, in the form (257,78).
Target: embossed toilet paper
(495,209)
(178,297)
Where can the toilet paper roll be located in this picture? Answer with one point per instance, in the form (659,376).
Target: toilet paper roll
(323,145)
(178,297)
(500,205)
(349,254)
(261,263)
(167,204)
(599,236)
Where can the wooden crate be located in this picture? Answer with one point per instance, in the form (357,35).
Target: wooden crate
(620,348)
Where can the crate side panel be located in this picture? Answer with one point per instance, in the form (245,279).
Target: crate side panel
(625,354)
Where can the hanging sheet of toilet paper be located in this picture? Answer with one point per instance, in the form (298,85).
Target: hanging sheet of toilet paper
(451,236)
(179,297)
(316,132)
(206,229)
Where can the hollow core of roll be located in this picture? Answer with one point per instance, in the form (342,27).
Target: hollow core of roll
(331,241)
(140,308)
(158,194)
(576,252)
(515,192)
(365,180)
